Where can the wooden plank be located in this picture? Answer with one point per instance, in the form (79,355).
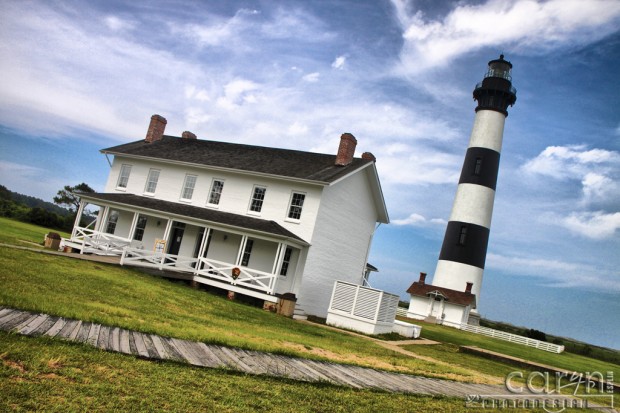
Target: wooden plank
(208,358)
(184,351)
(114,343)
(58,325)
(13,322)
(159,347)
(233,355)
(44,327)
(8,316)
(4,311)
(347,374)
(171,350)
(224,357)
(33,325)
(93,334)
(150,347)
(123,342)
(103,338)
(25,323)
(82,334)
(140,347)
(301,365)
(76,330)
(66,331)
(332,373)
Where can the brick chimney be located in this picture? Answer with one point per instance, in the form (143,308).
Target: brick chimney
(468,287)
(188,135)
(346,149)
(368,155)
(422,278)
(156,128)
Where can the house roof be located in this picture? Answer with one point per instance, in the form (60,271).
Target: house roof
(202,214)
(453,296)
(309,166)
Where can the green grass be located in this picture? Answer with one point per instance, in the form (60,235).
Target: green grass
(46,375)
(119,296)
(15,232)
(565,360)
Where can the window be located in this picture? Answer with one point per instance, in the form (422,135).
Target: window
(123,177)
(112,220)
(188,187)
(297,203)
(151,181)
(247,251)
(216,192)
(140,228)
(257,199)
(478,166)
(463,235)
(286,261)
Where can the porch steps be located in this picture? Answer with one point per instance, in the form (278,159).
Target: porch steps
(299,313)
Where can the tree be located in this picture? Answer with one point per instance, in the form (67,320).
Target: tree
(67,196)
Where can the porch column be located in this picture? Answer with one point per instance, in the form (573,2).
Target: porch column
(134,223)
(78,217)
(167,230)
(104,218)
(244,240)
(279,258)
(201,250)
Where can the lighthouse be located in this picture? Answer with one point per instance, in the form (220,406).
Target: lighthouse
(463,253)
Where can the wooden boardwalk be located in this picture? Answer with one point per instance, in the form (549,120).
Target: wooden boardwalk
(155,347)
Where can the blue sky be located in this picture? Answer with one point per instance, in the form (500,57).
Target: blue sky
(79,76)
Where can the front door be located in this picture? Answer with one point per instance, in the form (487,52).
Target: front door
(177,236)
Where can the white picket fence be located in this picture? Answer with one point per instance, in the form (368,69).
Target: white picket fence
(513,338)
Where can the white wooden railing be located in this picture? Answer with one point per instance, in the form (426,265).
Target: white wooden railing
(203,267)
(159,260)
(502,335)
(247,277)
(96,242)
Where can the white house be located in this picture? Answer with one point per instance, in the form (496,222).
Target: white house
(252,220)
(439,304)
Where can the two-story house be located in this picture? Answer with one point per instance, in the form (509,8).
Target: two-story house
(248,219)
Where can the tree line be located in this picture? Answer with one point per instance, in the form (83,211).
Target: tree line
(59,215)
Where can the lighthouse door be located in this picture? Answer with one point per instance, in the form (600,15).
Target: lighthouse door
(437,306)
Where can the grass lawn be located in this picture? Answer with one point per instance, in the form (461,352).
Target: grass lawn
(15,232)
(43,374)
(46,375)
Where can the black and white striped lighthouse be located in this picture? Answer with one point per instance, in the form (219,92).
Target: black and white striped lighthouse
(464,248)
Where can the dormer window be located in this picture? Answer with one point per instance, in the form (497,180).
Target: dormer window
(217,186)
(123,177)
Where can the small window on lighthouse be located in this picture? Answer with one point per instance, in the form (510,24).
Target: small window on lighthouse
(463,235)
(478,166)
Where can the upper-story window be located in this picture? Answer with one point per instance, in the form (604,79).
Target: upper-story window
(258,196)
(151,181)
(188,187)
(123,177)
(297,204)
(216,192)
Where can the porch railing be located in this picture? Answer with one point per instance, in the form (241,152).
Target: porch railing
(203,267)
(97,242)
(247,277)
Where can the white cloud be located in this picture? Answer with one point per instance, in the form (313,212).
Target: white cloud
(339,62)
(312,77)
(417,220)
(115,23)
(556,273)
(505,24)
(595,225)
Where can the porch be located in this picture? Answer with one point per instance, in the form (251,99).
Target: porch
(241,259)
